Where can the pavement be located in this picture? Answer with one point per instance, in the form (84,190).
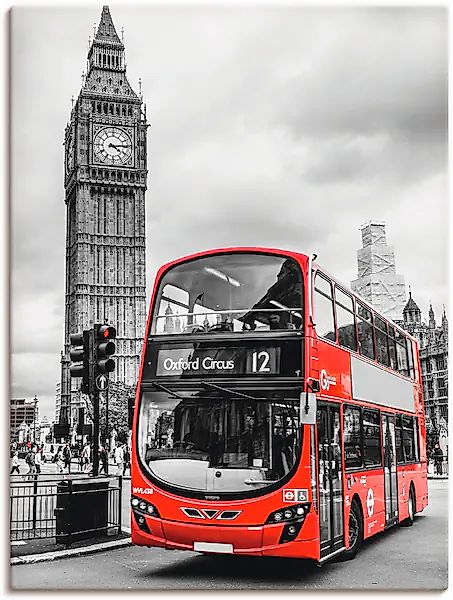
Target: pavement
(411,558)
(37,550)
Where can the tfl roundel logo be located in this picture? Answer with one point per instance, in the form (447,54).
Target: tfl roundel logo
(326,380)
(295,495)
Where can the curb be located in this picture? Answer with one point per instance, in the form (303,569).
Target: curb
(48,556)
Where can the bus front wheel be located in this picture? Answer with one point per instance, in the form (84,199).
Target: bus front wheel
(355,532)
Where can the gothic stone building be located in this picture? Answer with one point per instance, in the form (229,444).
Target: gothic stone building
(105,184)
(433,343)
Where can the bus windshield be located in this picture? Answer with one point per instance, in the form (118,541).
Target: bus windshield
(206,441)
(230,292)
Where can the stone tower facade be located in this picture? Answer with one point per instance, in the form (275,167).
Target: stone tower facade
(377,280)
(433,348)
(105,184)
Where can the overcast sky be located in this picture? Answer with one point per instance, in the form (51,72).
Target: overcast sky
(286,127)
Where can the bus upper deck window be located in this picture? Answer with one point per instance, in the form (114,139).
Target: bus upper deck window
(230,293)
(323,308)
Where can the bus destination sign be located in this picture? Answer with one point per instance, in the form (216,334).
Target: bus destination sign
(226,361)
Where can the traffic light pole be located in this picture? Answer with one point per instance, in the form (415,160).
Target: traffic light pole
(95,432)
(106,438)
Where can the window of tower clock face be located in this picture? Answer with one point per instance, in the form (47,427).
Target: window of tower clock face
(230,292)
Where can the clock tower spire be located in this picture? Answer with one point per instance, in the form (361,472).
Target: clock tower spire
(105,185)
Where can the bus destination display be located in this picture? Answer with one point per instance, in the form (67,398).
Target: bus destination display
(224,361)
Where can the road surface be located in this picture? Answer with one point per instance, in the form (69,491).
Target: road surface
(399,559)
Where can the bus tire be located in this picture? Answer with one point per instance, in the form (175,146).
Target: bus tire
(355,531)
(411,509)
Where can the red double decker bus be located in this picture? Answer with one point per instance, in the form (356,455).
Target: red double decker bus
(277,413)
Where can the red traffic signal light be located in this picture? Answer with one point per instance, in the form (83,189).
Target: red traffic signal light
(104,348)
(106,332)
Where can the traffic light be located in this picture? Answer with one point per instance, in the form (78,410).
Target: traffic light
(103,348)
(80,356)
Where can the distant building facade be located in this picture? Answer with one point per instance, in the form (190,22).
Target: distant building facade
(22,415)
(57,401)
(433,344)
(377,280)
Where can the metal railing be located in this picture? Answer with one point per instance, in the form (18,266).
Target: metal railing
(37,502)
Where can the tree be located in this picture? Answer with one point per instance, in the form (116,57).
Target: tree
(118,394)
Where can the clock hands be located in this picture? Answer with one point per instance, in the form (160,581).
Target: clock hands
(118,145)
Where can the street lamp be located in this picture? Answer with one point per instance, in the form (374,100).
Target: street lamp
(34,419)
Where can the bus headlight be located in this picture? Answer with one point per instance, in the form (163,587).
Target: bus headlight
(289,514)
(143,507)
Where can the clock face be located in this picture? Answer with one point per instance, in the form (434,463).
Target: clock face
(112,146)
(69,152)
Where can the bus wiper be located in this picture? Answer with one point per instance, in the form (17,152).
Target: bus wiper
(232,392)
(159,386)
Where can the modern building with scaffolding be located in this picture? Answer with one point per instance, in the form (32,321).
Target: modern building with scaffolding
(377,280)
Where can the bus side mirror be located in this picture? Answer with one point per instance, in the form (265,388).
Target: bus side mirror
(307,408)
(314,385)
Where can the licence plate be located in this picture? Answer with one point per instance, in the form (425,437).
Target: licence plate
(211,547)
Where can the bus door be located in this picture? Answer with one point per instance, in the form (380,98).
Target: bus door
(330,481)
(390,474)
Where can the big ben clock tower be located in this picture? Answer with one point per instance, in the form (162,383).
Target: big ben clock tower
(105,184)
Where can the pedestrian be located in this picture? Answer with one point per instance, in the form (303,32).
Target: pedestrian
(30,461)
(438,457)
(67,455)
(103,459)
(119,458)
(127,460)
(86,455)
(59,460)
(38,460)
(15,463)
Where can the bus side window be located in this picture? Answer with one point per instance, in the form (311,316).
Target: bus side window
(323,301)
(410,358)
(382,353)
(365,331)
(352,435)
(345,320)
(371,438)
(408,439)
(416,438)
(399,441)
(401,353)
(392,349)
